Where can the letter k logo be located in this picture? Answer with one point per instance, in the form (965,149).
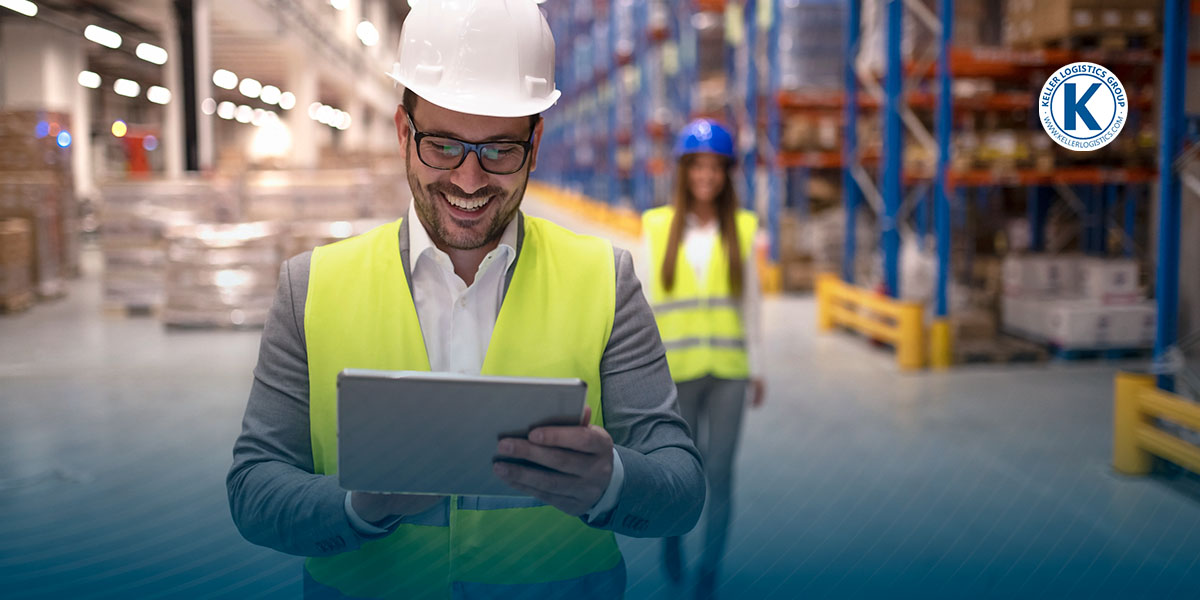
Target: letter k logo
(1074,106)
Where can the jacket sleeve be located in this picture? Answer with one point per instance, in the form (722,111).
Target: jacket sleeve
(663,491)
(275,498)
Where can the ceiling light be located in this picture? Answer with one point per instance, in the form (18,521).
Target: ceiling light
(102,36)
(312,110)
(89,79)
(225,79)
(158,94)
(250,88)
(244,114)
(345,122)
(259,117)
(225,110)
(119,128)
(325,114)
(340,4)
(151,53)
(127,87)
(209,106)
(367,33)
(24,7)
(287,101)
(270,94)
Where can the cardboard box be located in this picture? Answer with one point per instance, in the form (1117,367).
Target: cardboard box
(1041,275)
(1110,281)
(1036,23)
(799,274)
(16,257)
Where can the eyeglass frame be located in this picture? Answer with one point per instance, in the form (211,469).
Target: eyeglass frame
(470,147)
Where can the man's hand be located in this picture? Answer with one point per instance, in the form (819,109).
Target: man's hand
(581,459)
(374,508)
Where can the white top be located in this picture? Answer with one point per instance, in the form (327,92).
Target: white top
(699,239)
(457,322)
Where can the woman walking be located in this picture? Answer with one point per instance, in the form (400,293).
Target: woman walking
(704,288)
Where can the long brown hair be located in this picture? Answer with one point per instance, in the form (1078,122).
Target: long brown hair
(727,206)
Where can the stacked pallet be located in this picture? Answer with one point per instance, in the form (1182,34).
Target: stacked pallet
(221,275)
(36,184)
(16,265)
(306,235)
(307,195)
(1085,24)
(1077,304)
(134,219)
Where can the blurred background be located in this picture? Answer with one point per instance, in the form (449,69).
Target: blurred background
(951,296)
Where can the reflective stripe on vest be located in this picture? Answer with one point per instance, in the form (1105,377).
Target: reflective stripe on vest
(555,321)
(701,328)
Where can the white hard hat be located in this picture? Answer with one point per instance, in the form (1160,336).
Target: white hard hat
(481,57)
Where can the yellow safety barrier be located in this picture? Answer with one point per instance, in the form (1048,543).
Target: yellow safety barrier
(1136,438)
(628,222)
(902,324)
(621,219)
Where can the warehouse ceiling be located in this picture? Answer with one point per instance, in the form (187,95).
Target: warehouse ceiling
(248,36)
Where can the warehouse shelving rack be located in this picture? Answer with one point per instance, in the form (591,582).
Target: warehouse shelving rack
(1092,193)
(627,69)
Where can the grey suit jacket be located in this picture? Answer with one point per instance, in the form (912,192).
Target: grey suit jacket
(277,501)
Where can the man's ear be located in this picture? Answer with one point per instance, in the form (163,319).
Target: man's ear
(402,130)
(537,141)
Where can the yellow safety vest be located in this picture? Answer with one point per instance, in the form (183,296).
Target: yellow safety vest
(701,327)
(555,321)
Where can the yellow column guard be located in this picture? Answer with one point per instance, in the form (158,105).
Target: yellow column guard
(1137,439)
(900,323)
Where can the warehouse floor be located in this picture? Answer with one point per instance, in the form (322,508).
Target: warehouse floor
(854,480)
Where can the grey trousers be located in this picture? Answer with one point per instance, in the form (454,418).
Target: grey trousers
(713,410)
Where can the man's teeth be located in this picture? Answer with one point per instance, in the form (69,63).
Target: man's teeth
(466,204)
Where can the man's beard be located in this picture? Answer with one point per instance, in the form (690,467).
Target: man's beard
(432,211)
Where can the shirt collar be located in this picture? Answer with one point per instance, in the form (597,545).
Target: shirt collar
(420,244)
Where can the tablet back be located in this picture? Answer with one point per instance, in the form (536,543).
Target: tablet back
(436,433)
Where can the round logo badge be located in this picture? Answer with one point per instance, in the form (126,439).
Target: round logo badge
(1083,106)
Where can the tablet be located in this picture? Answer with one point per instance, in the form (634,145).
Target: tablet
(418,432)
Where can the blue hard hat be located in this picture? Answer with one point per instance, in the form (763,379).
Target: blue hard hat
(704,136)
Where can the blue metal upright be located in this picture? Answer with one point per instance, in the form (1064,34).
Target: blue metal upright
(1170,139)
(775,171)
(614,83)
(893,149)
(642,187)
(750,157)
(851,194)
(941,193)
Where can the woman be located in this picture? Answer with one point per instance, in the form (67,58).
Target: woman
(703,285)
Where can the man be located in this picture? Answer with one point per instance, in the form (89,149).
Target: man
(466,283)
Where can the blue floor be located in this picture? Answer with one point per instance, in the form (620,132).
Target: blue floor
(854,480)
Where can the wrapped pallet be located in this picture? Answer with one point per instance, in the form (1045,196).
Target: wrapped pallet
(134,218)
(307,195)
(306,235)
(221,275)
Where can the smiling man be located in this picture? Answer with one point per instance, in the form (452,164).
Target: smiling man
(466,283)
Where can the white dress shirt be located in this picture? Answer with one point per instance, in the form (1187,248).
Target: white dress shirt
(699,240)
(457,322)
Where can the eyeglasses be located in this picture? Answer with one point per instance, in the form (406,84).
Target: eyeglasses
(446,153)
